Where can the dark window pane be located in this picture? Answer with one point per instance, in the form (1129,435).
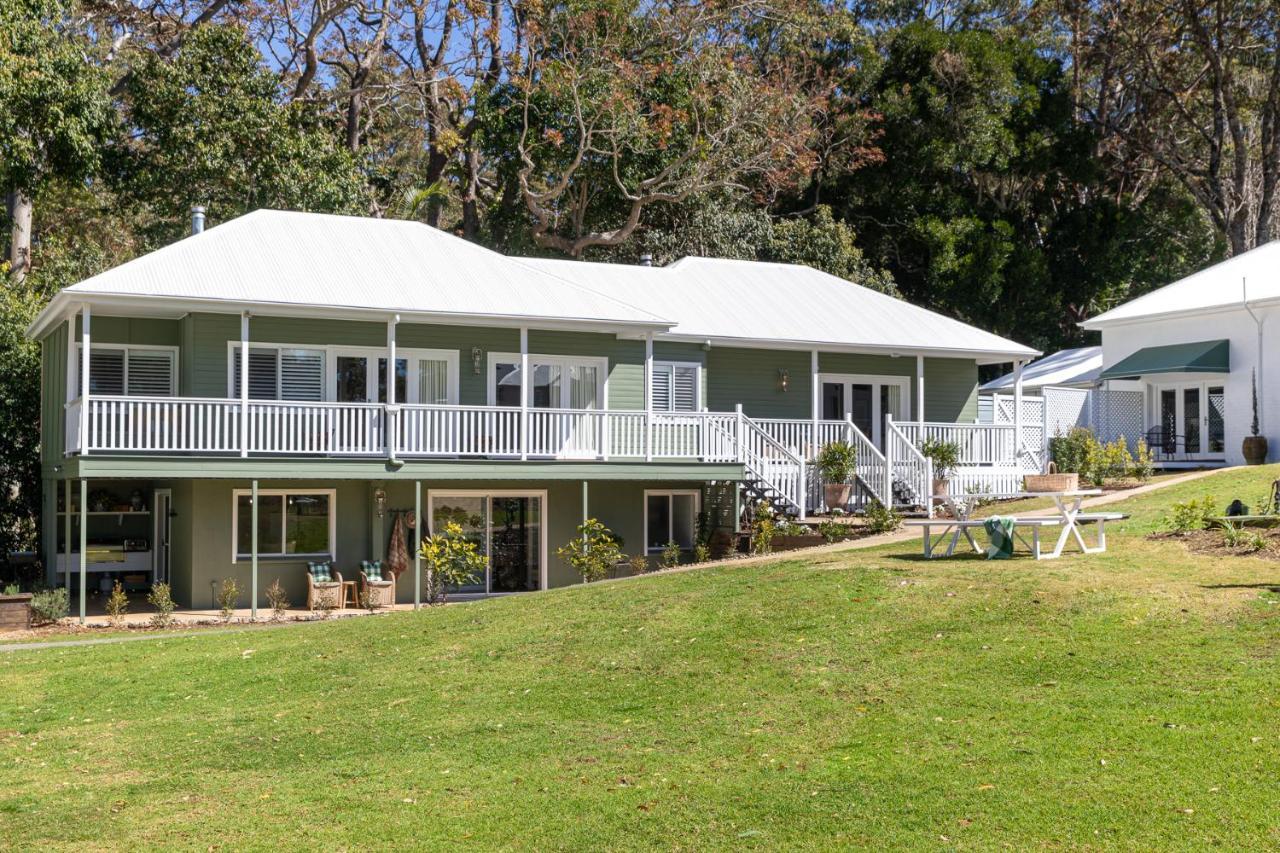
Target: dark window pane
(307,524)
(270,510)
(659,528)
(507,378)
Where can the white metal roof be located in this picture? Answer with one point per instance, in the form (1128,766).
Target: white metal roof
(1223,285)
(750,301)
(1079,367)
(282,258)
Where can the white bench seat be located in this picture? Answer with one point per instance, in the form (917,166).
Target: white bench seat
(955,528)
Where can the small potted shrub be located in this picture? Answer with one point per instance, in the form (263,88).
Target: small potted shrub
(838,463)
(945,456)
(1254,447)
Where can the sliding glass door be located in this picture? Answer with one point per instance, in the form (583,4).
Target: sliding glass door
(509,528)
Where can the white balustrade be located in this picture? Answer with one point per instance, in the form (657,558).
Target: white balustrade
(908,466)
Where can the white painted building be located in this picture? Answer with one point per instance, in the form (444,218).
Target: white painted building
(1193,346)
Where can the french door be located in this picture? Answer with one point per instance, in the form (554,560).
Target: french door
(866,400)
(509,528)
(572,383)
(1191,418)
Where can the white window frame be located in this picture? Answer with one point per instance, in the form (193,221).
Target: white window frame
(331,353)
(601,363)
(541,494)
(412,379)
(875,381)
(671,518)
(697,384)
(94,345)
(236,494)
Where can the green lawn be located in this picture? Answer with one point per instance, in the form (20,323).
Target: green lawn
(860,698)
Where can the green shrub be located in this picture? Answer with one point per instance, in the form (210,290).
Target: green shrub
(945,456)
(593,552)
(12,589)
(277,600)
(117,604)
(881,518)
(50,605)
(833,531)
(228,595)
(763,530)
(1070,451)
(1186,516)
(161,598)
(702,552)
(1144,462)
(670,556)
(789,527)
(837,462)
(639,564)
(450,559)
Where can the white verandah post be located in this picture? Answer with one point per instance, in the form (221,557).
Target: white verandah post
(85,314)
(391,407)
(524,392)
(648,397)
(1017,413)
(244,384)
(253,554)
(66,533)
(417,544)
(84,554)
(919,412)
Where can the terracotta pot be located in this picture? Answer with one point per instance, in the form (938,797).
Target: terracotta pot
(837,495)
(941,486)
(1254,449)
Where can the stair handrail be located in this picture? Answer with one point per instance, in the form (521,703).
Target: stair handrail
(754,462)
(878,476)
(905,455)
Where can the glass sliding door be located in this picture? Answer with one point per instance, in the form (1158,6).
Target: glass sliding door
(574,383)
(507,527)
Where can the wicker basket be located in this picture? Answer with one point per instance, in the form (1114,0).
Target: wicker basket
(1051,482)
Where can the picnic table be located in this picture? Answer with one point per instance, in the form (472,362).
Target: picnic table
(1067,517)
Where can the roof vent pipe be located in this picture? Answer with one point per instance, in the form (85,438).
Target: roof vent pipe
(646,260)
(197,219)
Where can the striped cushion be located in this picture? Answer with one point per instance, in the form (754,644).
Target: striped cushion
(321,572)
(372,569)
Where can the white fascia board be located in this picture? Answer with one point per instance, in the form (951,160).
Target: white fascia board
(171,307)
(1101,322)
(982,356)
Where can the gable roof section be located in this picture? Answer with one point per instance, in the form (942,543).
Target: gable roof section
(1220,286)
(275,259)
(748,301)
(1069,367)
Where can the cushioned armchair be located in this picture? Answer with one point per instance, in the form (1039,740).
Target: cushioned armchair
(381,592)
(318,589)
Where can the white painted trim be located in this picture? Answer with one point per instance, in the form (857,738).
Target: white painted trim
(697,381)
(668,493)
(101,347)
(1203,385)
(543,513)
(601,363)
(235,522)
(157,520)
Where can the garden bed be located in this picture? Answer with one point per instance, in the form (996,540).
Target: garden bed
(1261,542)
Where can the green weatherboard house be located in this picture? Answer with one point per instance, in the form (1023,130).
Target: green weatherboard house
(362,374)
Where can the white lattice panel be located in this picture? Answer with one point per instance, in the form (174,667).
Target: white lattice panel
(1118,414)
(1065,409)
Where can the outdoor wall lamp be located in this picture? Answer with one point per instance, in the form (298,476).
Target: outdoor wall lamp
(784,379)
(380,501)
(476,355)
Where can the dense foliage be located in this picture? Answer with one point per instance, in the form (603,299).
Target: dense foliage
(1018,165)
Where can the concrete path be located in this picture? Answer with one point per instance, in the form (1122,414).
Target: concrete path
(902,535)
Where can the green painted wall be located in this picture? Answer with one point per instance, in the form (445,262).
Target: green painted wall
(750,377)
(950,390)
(133,330)
(53,394)
(472,387)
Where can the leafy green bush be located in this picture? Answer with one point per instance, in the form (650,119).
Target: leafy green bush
(833,531)
(1186,516)
(763,529)
(837,462)
(702,552)
(12,589)
(161,598)
(945,455)
(881,518)
(670,556)
(228,596)
(1070,451)
(277,600)
(1144,462)
(639,564)
(593,552)
(50,605)
(117,604)
(450,559)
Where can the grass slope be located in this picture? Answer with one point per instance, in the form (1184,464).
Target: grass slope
(861,698)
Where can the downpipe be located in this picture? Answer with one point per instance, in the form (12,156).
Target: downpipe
(1244,296)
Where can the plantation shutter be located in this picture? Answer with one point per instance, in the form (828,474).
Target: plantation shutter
(151,373)
(301,374)
(661,389)
(684,393)
(675,388)
(263,365)
(106,371)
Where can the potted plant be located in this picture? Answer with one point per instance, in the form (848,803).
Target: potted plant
(15,609)
(837,462)
(945,456)
(1254,447)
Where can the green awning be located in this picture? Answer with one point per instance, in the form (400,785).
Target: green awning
(1199,357)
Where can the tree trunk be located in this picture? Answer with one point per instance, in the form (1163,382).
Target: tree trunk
(18,204)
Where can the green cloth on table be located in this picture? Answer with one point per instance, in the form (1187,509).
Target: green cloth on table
(1000,531)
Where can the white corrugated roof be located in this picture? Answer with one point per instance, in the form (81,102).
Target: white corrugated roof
(1219,286)
(272,257)
(1068,367)
(728,300)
